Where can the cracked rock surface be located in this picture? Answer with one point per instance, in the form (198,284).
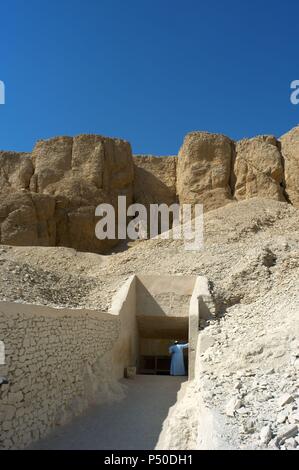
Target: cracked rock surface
(247,379)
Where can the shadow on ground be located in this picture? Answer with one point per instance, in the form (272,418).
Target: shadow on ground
(132,424)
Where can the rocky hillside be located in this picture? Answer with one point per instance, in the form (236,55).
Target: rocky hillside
(48,197)
(245,245)
(245,394)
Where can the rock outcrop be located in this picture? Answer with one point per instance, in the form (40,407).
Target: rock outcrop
(63,183)
(154,180)
(85,171)
(258,169)
(204,170)
(25,218)
(49,197)
(16,170)
(290,152)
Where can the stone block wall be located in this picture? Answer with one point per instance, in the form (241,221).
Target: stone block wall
(58,361)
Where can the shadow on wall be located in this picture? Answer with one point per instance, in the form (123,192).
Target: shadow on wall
(154,311)
(155,183)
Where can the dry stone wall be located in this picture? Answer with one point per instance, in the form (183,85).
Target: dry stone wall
(58,361)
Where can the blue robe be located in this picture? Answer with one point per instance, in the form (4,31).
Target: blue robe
(177,359)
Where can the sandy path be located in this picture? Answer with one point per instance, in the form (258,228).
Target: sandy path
(132,424)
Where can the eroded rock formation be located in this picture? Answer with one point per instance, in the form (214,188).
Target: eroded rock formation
(49,197)
(26,218)
(258,169)
(290,152)
(204,170)
(154,180)
(53,196)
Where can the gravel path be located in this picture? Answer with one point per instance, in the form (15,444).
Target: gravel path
(131,424)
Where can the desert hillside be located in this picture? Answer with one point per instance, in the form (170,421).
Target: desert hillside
(245,393)
(149,230)
(247,247)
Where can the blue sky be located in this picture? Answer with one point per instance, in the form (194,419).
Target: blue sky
(148,71)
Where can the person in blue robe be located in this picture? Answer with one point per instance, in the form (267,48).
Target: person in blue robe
(177,366)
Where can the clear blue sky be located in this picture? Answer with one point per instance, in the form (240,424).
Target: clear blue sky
(148,71)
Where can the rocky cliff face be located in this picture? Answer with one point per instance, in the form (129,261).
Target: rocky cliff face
(81,173)
(49,197)
(53,195)
(290,152)
(258,169)
(213,170)
(204,170)
(26,218)
(154,180)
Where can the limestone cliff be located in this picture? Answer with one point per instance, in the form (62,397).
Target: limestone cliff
(53,196)
(290,152)
(154,179)
(49,197)
(204,170)
(258,169)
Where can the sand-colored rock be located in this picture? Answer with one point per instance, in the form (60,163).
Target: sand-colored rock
(81,173)
(290,152)
(84,169)
(15,171)
(204,170)
(27,219)
(54,194)
(154,179)
(154,182)
(258,169)
(251,259)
